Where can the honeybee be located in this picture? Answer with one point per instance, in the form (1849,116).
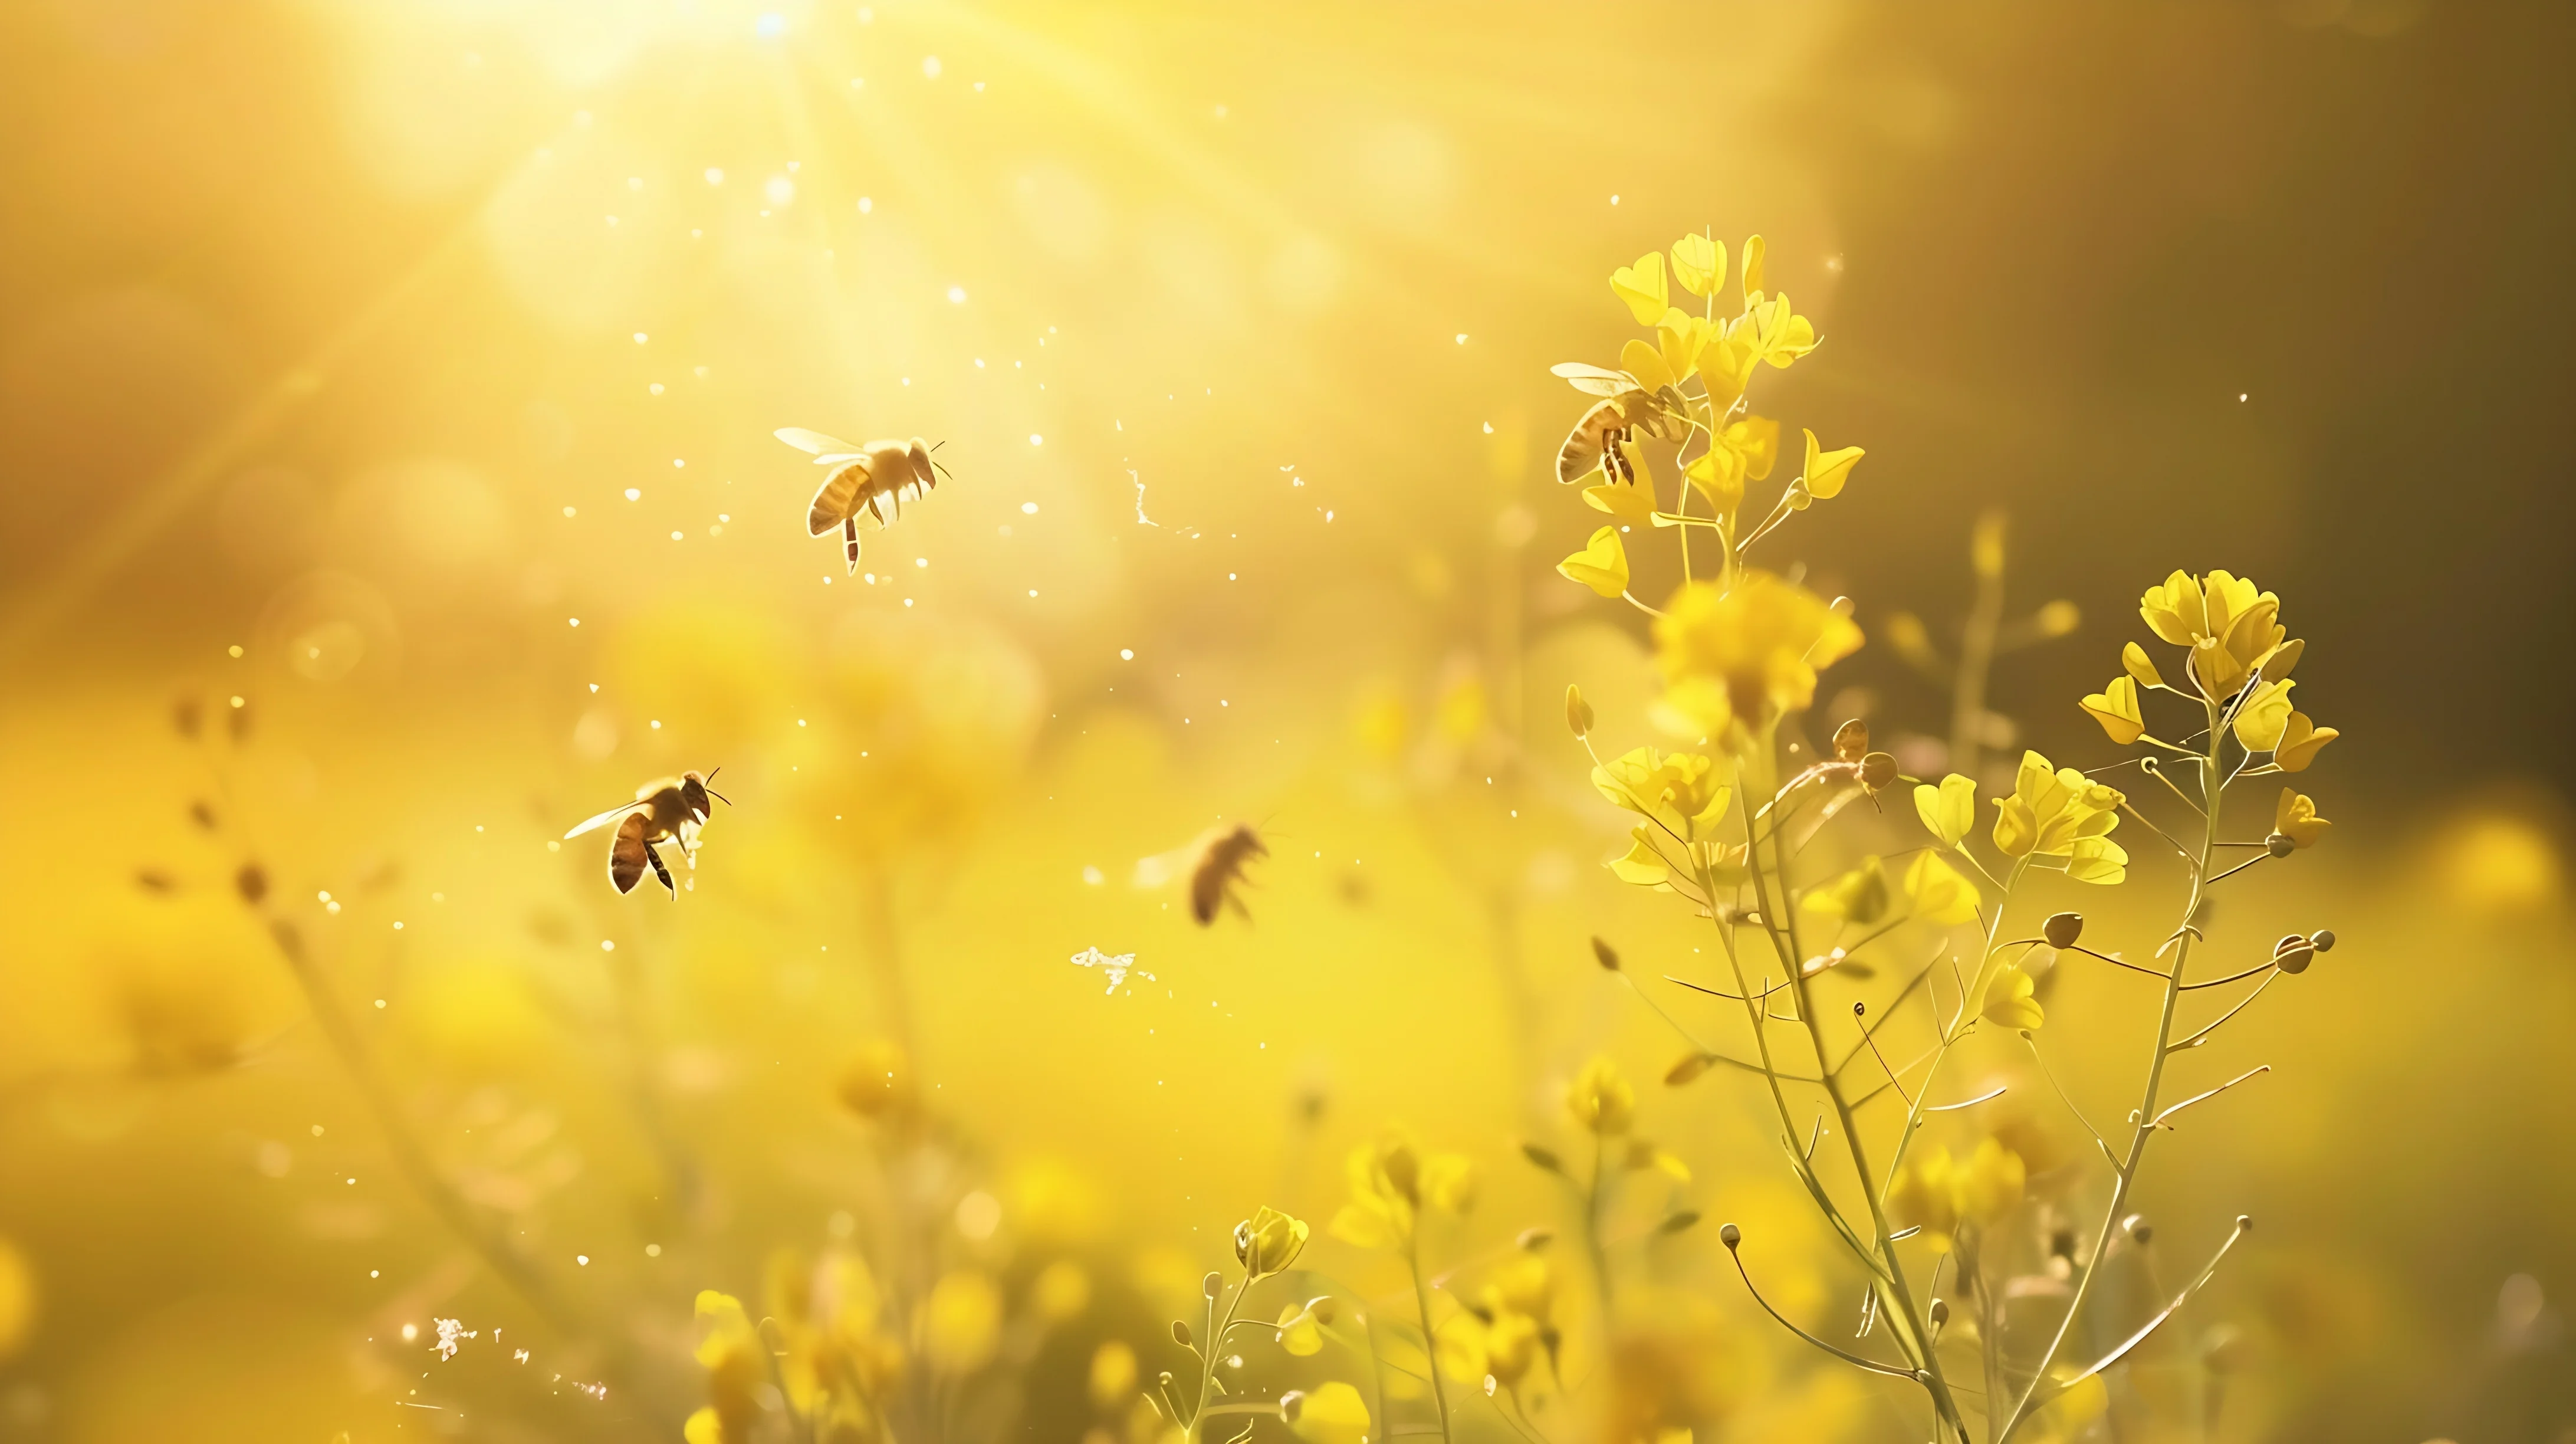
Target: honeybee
(1214,862)
(1626,410)
(671,809)
(861,480)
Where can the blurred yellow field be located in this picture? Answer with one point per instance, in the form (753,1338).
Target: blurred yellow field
(1158,724)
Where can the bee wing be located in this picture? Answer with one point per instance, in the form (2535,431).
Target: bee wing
(813,441)
(1594,379)
(627,855)
(602,820)
(834,499)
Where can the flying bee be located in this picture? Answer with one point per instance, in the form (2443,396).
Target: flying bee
(671,809)
(861,481)
(1213,862)
(1626,411)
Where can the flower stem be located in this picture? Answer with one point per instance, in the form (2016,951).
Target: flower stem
(1422,1306)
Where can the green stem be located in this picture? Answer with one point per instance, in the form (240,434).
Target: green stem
(2143,1126)
(1215,1348)
(1422,1307)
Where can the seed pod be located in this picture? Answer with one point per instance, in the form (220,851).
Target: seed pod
(184,717)
(2322,940)
(1729,1235)
(1940,1313)
(2292,954)
(2139,1229)
(1180,1333)
(1543,1157)
(2062,929)
(251,883)
(1678,1222)
(2280,844)
(202,813)
(1691,1066)
(1578,713)
(1851,741)
(1531,1240)
(1878,771)
(1606,955)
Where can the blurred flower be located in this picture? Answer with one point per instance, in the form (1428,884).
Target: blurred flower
(1390,1181)
(1060,1291)
(1333,1413)
(961,1322)
(1939,892)
(1991,1183)
(1756,645)
(1924,1194)
(877,1084)
(17,1299)
(1858,896)
(1684,791)
(1600,1099)
(736,1363)
(1301,1325)
(1113,1373)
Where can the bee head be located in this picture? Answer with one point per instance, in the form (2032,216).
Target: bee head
(694,792)
(922,465)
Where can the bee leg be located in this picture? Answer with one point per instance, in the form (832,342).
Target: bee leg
(850,536)
(661,871)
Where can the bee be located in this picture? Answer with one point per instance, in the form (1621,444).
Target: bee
(861,481)
(1626,410)
(1214,863)
(671,809)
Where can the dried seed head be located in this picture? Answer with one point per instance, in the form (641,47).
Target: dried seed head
(1292,1404)
(2293,953)
(1578,713)
(1940,1312)
(2322,940)
(1606,955)
(1180,1333)
(1213,1284)
(2280,844)
(251,883)
(1531,1240)
(2139,1229)
(1691,1066)
(202,813)
(1878,771)
(1543,1157)
(2244,1223)
(1323,1308)
(1851,741)
(2062,929)
(1729,1235)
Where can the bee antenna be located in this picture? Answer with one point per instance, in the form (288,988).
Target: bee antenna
(720,797)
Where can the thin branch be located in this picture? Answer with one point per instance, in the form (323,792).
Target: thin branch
(1846,1355)
(2194,1040)
(2203,1097)
(1986,1097)
(2244,1225)
(2116,962)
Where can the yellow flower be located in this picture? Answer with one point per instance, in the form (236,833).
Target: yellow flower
(2116,708)
(877,1083)
(1760,643)
(2134,661)
(1060,1291)
(1641,864)
(1680,337)
(1600,1099)
(1449,1182)
(736,1365)
(2072,1410)
(2295,817)
(1699,263)
(2263,715)
(1642,287)
(961,1322)
(2301,741)
(1524,1285)
(1602,565)
(1828,470)
(1685,791)
(1268,1242)
(1777,333)
(1858,896)
(1301,1325)
(1632,501)
(2051,811)
(2009,1003)
(1991,1183)
(2230,625)
(1754,250)
(1949,810)
(1332,1413)
(1939,892)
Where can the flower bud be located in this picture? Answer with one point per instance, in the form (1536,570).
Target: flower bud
(2062,929)
(252,883)
(1940,1313)
(1213,1284)
(2139,1229)
(2322,940)
(1531,1240)
(1678,1222)
(1268,1242)
(1606,955)
(1729,1235)
(1878,771)
(1578,713)
(1403,1170)
(2280,844)
(1180,1333)
(1691,1066)
(1543,1157)
(2292,954)
(1851,741)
